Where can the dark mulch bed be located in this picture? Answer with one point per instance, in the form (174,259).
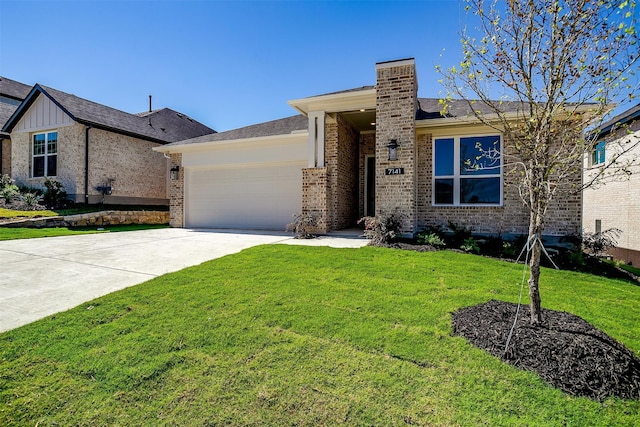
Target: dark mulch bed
(566,351)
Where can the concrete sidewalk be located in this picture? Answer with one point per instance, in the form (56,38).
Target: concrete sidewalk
(40,277)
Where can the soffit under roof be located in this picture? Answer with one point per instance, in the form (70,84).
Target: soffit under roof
(338,102)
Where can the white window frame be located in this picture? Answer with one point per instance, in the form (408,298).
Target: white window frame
(45,155)
(457,176)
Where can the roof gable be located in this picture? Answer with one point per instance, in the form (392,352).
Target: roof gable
(163,127)
(42,114)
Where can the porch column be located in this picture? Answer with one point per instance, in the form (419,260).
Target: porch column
(316,139)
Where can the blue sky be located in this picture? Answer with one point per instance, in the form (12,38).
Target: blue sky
(225,63)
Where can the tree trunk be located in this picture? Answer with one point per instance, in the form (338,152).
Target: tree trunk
(535,229)
(534,279)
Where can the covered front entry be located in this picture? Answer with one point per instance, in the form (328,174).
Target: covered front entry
(255,196)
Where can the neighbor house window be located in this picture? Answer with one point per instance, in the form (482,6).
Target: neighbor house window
(598,153)
(45,154)
(467,170)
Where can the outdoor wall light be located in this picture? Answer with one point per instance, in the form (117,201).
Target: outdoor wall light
(393,149)
(173,172)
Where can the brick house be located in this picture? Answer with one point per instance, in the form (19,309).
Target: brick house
(12,93)
(355,153)
(616,203)
(99,154)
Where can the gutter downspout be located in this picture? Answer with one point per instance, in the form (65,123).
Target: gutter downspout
(86,164)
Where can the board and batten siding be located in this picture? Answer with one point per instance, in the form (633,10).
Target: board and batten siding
(43,114)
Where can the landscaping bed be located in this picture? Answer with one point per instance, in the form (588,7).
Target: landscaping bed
(566,351)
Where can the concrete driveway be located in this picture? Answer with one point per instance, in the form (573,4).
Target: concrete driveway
(40,277)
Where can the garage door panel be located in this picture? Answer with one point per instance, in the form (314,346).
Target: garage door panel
(261,197)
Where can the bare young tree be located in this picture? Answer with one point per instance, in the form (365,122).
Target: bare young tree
(564,63)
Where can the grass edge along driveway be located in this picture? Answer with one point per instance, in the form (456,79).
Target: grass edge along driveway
(10,233)
(289,335)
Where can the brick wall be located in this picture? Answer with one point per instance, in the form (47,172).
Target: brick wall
(615,201)
(396,99)
(176,193)
(512,217)
(315,195)
(139,174)
(341,157)
(5,162)
(70,159)
(139,171)
(627,255)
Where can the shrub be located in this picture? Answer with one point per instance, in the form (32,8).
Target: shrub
(492,246)
(430,238)
(54,195)
(470,245)
(599,243)
(9,192)
(459,234)
(5,180)
(30,200)
(382,229)
(303,225)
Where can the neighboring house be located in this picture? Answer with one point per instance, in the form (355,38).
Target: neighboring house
(361,152)
(99,154)
(12,93)
(615,203)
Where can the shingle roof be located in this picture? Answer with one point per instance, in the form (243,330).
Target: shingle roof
(430,108)
(627,116)
(6,110)
(283,126)
(162,126)
(355,89)
(13,89)
(13,93)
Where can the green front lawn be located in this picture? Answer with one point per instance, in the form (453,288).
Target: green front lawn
(7,233)
(290,335)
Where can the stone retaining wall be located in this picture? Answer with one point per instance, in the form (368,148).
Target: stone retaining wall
(94,218)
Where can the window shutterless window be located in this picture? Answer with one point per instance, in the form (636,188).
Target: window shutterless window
(467,171)
(44,157)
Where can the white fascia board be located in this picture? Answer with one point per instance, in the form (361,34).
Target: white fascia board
(337,102)
(257,141)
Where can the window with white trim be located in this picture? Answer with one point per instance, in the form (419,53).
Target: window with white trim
(44,154)
(467,171)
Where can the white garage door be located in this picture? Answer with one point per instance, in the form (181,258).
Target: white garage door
(256,197)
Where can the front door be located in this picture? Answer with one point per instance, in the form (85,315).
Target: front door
(370,186)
